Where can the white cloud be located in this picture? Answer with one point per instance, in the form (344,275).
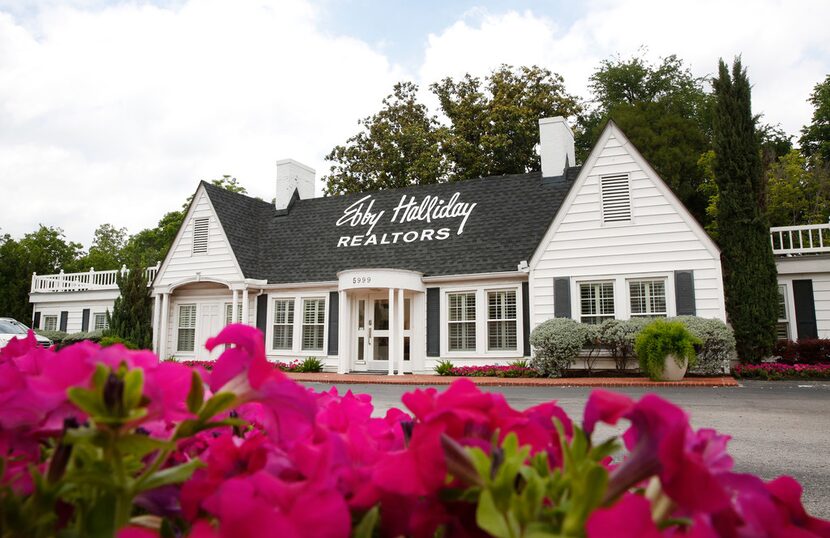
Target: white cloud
(114,114)
(783,45)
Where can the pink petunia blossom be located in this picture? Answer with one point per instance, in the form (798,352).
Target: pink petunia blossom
(628,518)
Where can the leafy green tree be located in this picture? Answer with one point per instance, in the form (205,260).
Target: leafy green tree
(131,317)
(665,112)
(44,251)
(749,277)
(150,245)
(796,192)
(494,124)
(229,183)
(815,137)
(398,146)
(106,250)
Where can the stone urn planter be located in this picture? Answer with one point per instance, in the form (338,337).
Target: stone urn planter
(671,371)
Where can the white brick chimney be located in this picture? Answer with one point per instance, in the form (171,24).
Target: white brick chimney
(292,176)
(556,146)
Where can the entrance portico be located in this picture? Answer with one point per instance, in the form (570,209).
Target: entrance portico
(381,320)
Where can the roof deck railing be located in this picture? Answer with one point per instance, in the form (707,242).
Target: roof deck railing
(798,240)
(86,280)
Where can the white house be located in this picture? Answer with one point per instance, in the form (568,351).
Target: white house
(397,279)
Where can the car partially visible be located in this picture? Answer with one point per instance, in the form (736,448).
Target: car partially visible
(11,328)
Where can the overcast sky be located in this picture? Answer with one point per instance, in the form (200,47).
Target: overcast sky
(113,111)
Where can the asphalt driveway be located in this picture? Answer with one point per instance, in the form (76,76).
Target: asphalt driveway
(777,428)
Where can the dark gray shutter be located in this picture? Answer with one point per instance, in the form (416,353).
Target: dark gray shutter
(526,318)
(805,309)
(433,322)
(562,297)
(64,319)
(262,313)
(684,293)
(85,320)
(334,321)
(36,322)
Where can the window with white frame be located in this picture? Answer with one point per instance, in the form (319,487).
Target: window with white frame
(186,340)
(501,320)
(50,323)
(461,320)
(782,328)
(596,301)
(314,319)
(99,322)
(647,298)
(201,227)
(229,313)
(283,324)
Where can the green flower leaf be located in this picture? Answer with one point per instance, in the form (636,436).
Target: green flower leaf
(133,387)
(171,475)
(366,527)
(489,518)
(196,396)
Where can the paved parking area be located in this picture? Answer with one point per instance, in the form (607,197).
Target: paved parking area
(780,427)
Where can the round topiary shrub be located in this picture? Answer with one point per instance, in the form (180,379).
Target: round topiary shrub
(717,346)
(658,340)
(618,335)
(556,344)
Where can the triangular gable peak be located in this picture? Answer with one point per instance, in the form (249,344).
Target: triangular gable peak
(620,221)
(201,250)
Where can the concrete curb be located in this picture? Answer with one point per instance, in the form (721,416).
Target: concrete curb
(371,379)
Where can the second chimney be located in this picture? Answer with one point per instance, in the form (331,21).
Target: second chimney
(556,146)
(292,176)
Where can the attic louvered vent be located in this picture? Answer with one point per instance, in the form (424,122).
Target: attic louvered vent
(200,235)
(616,198)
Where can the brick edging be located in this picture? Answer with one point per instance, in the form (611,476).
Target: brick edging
(364,379)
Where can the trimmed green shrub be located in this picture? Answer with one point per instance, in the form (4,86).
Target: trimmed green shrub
(55,336)
(556,343)
(444,367)
(107,341)
(718,344)
(660,339)
(618,336)
(310,364)
(92,336)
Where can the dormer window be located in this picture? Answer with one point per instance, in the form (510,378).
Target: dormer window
(616,198)
(200,235)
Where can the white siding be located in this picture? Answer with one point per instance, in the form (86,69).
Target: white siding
(219,261)
(74,311)
(660,239)
(821,298)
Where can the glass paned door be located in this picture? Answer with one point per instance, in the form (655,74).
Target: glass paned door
(372,335)
(378,321)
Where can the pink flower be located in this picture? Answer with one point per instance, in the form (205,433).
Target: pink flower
(628,518)
(245,355)
(604,406)
(419,469)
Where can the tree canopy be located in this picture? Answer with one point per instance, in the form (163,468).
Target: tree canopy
(815,137)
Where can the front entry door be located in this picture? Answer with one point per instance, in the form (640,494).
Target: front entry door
(209,325)
(372,350)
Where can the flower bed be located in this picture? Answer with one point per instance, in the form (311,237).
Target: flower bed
(775,371)
(106,441)
(492,370)
(307,365)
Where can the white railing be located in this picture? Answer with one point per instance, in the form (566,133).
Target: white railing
(85,281)
(806,239)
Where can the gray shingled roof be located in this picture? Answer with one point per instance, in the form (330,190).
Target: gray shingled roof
(511,216)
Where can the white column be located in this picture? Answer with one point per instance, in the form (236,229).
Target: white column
(156,322)
(234,306)
(244,306)
(391,331)
(399,335)
(165,311)
(344,339)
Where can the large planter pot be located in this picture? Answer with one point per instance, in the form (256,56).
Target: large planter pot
(671,371)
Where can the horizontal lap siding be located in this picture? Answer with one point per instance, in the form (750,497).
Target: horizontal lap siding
(657,240)
(821,295)
(74,311)
(218,262)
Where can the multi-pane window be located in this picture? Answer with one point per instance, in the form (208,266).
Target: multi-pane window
(187,328)
(50,323)
(596,301)
(501,320)
(648,298)
(229,313)
(283,324)
(99,322)
(201,227)
(782,328)
(314,318)
(462,321)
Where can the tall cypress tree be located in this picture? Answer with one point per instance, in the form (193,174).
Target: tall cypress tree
(131,317)
(749,273)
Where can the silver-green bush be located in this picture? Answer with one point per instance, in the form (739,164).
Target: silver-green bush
(55,336)
(718,346)
(618,336)
(556,343)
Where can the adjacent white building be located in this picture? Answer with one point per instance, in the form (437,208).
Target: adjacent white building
(396,280)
